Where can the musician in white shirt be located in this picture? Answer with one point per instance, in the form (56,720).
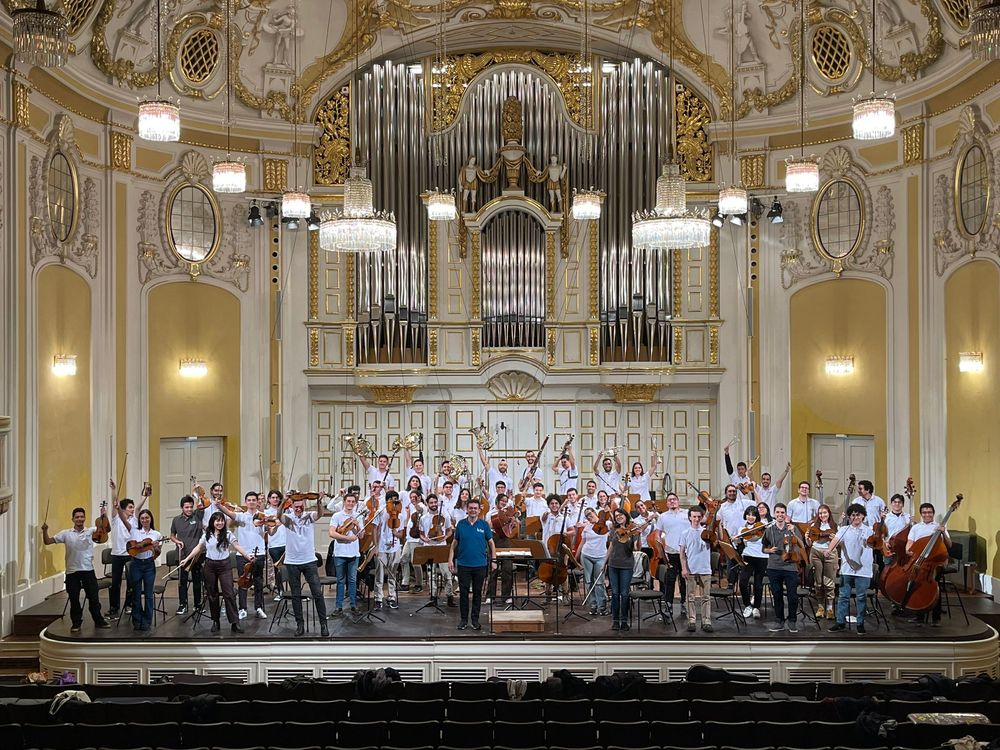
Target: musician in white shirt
(803,508)
(590,499)
(767,491)
(493,475)
(738,477)
(874,505)
(79,542)
(300,561)
(895,520)
(925,528)
(536,504)
(857,562)
(671,524)
(565,469)
(250,534)
(593,554)
(434,517)
(532,472)
(638,481)
(416,469)
(608,472)
(379,473)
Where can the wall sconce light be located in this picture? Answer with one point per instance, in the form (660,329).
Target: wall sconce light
(840,365)
(970,362)
(64,365)
(193,368)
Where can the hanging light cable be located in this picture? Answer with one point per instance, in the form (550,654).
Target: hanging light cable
(440,202)
(802,172)
(586,205)
(295,204)
(41,37)
(732,198)
(874,116)
(229,175)
(159,119)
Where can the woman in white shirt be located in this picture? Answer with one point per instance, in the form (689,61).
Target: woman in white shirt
(824,566)
(756,564)
(638,480)
(593,554)
(276,536)
(142,570)
(216,570)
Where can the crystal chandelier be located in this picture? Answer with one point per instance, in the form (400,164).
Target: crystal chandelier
(586,204)
(41,36)
(441,205)
(671,190)
(984,30)
(733,200)
(358,228)
(229,175)
(874,116)
(801,174)
(295,205)
(652,230)
(159,120)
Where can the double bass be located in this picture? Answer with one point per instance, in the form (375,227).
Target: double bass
(555,571)
(912,584)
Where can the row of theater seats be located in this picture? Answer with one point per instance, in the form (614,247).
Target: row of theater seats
(36,711)
(450,735)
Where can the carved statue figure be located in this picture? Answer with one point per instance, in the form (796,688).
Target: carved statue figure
(284,26)
(554,173)
(746,51)
(468,179)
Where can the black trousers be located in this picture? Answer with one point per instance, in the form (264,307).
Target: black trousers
(756,567)
(219,575)
(258,581)
(311,574)
(673,573)
(193,575)
(470,580)
(87,581)
(118,563)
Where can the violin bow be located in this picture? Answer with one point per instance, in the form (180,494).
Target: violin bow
(291,469)
(121,477)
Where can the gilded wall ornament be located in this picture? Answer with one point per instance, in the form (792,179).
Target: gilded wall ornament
(121,151)
(913,143)
(633,393)
(332,156)
(692,116)
(513,385)
(22,106)
(391,394)
(752,171)
(275,175)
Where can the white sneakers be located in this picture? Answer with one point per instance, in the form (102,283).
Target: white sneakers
(261,614)
(756,613)
(243,614)
(747,611)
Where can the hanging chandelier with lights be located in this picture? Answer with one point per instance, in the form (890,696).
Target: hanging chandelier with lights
(586,203)
(802,172)
(441,205)
(41,37)
(983,38)
(874,116)
(229,175)
(159,119)
(733,199)
(359,228)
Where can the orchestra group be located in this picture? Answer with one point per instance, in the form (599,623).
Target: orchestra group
(460,534)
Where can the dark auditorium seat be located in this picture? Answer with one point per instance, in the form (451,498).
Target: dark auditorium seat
(625,733)
(425,691)
(566,710)
(719,691)
(52,736)
(610,710)
(677,733)
(666,710)
(260,733)
(729,732)
(412,734)
(470,710)
(466,734)
(518,712)
(663,691)
(523,734)
(200,735)
(805,690)
(359,710)
(931,735)
(420,710)
(356,734)
(571,734)
(314,710)
(13,736)
(473,691)
(789,710)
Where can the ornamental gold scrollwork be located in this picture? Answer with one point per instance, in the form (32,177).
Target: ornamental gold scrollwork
(550,347)
(432,271)
(391,394)
(595,338)
(432,347)
(22,107)
(275,175)
(634,393)
(121,151)
(332,157)
(913,143)
(476,347)
(313,275)
(692,116)
(752,167)
(314,347)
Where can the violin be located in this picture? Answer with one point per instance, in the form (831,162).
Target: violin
(135,548)
(199,492)
(753,532)
(415,525)
(746,487)
(795,550)
(600,526)
(246,577)
(291,497)
(393,508)
(624,533)
(507,522)
(816,534)
(351,524)
(102,526)
(437,527)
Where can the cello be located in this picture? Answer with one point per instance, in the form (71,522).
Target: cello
(555,571)
(913,584)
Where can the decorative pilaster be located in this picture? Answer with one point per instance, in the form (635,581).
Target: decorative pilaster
(313,275)
(550,276)
(477,261)
(275,175)
(913,143)
(121,151)
(22,110)
(595,310)
(432,270)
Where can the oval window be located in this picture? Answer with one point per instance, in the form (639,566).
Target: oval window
(61,197)
(838,219)
(192,223)
(973,190)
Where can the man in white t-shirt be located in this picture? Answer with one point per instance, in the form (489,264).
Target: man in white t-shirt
(345,553)
(390,550)
(501,473)
(921,530)
(740,478)
(122,513)
(250,535)
(452,474)
(856,563)
(874,505)
(380,473)
(532,472)
(566,472)
(590,499)
(79,542)
(536,505)
(803,509)
(671,524)
(767,491)
(696,567)
(608,473)
(300,560)
(730,515)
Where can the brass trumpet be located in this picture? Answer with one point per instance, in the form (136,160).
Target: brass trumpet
(360,445)
(485,438)
(409,442)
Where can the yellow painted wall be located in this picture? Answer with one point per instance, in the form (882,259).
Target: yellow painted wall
(63,310)
(193,320)
(838,317)
(972,323)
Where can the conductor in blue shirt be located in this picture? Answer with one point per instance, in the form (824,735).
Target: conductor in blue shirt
(471,554)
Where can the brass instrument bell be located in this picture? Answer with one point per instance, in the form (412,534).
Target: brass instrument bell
(409,442)
(360,445)
(485,438)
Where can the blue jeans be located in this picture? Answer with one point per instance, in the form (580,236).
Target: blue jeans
(860,587)
(784,582)
(621,579)
(593,576)
(347,573)
(142,574)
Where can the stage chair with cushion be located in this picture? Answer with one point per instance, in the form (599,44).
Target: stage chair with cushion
(285,605)
(624,710)
(519,734)
(356,734)
(360,710)
(566,710)
(412,734)
(414,710)
(573,734)
(472,710)
(626,733)
(518,712)
(466,734)
(655,600)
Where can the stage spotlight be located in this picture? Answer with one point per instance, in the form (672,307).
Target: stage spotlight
(756,208)
(313,221)
(290,222)
(718,220)
(738,219)
(254,217)
(272,209)
(774,215)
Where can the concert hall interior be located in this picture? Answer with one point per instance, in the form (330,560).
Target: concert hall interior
(290,287)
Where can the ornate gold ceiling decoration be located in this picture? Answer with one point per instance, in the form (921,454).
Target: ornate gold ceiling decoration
(461,69)
(693,115)
(332,156)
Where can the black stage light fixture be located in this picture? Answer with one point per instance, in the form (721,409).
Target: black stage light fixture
(774,215)
(738,219)
(272,210)
(254,218)
(290,222)
(313,221)
(718,220)
(756,208)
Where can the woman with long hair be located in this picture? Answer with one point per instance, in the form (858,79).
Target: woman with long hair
(638,479)
(142,570)
(276,538)
(824,568)
(216,571)
(756,565)
(621,562)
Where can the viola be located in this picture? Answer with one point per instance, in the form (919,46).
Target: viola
(146,545)
(393,509)
(102,526)
(600,526)
(816,534)
(203,499)
(506,522)
(624,533)
(753,532)
(795,550)
(414,532)
(246,577)
(351,524)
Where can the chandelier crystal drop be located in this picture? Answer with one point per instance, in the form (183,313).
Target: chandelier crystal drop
(671,190)
(229,176)
(41,37)
(652,230)
(357,193)
(586,205)
(441,206)
(295,205)
(359,228)
(801,174)
(874,117)
(732,200)
(983,38)
(159,120)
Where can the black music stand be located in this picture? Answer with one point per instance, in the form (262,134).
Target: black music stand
(538,552)
(366,577)
(433,554)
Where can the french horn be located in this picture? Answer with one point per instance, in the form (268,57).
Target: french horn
(360,445)
(459,466)
(485,438)
(410,441)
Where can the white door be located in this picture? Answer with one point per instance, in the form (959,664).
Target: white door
(182,458)
(839,456)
